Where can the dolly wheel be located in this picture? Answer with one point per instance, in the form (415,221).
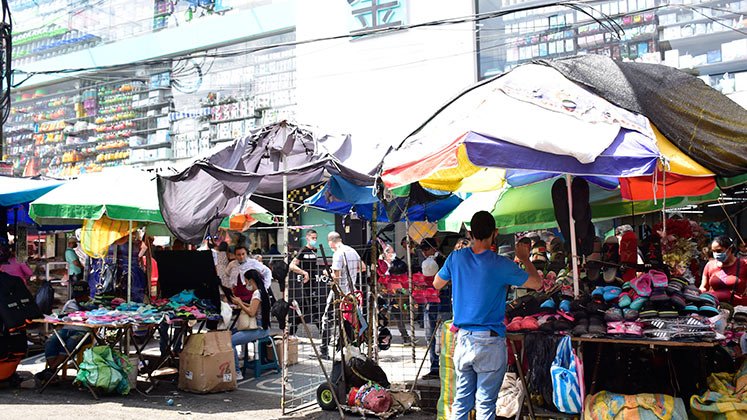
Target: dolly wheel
(325,398)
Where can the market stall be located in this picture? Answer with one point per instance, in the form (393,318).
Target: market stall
(604,149)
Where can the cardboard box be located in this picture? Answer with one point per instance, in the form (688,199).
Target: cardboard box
(292,350)
(206,363)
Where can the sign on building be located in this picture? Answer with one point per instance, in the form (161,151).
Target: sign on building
(377,14)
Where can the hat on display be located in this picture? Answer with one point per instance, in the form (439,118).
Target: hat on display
(676,285)
(658,278)
(659,295)
(638,303)
(610,274)
(630,314)
(692,293)
(642,284)
(506,251)
(612,293)
(614,315)
(708,310)
(678,300)
(429,267)
(624,301)
(690,309)
(709,299)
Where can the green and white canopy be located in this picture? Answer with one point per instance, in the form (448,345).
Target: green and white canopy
(120,194)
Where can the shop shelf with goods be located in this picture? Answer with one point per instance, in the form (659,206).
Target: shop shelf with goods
(711,42)
(79,121)
(556,32)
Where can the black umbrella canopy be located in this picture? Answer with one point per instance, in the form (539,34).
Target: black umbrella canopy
(195,201)
(702,122)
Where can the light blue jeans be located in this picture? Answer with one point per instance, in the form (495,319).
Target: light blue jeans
(480,363)
(244,337)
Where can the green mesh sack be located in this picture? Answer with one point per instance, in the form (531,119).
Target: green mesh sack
(105,369)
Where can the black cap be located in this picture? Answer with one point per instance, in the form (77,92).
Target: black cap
(80,289)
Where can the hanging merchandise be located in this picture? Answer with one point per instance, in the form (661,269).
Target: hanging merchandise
(98,235)
(680,248)
(566,389)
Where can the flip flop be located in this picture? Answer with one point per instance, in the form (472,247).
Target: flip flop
(560,205)
(582,212)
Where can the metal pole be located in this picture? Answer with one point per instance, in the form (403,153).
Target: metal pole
(374,313)
(129,266)
(285,289)
(574,252)
(664,205)
(409,277)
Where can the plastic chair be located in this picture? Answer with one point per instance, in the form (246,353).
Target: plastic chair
(260,354)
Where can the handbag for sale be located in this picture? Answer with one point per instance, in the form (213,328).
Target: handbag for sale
(566,389)
(246,322)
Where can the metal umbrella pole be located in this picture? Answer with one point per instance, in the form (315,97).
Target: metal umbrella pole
(285,289)
(129,265)
(574,251)
(374,306)
(409,279)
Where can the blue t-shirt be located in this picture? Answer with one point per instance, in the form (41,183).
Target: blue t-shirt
(479,285)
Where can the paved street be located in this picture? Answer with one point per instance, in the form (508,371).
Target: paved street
(258,398)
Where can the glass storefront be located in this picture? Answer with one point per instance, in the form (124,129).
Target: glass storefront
(704,37)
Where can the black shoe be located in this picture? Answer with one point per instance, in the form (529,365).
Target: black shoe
(431,375)
(42,377)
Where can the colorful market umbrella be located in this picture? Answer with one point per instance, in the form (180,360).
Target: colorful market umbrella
(247,215)
(342,197)
(537,121)
(121,194)
(528,208)
(98,199)
(15,191)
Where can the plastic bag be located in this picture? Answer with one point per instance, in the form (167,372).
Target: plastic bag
(45,297)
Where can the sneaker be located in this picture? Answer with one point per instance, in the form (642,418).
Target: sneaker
(239,376)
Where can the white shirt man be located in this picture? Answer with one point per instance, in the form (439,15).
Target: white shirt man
(236,269)
(346,263)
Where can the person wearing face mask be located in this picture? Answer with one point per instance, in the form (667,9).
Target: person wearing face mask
(236,269)
(726,274)
(302,287)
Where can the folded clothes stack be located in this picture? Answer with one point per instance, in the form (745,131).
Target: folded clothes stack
(115,311)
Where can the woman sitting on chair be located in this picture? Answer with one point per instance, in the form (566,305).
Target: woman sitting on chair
(254,318)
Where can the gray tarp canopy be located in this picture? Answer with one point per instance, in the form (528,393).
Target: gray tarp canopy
(195,201)
(703,123)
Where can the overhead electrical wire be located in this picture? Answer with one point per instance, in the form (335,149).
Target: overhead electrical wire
(607,22)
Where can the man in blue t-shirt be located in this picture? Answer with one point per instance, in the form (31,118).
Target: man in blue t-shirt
(479,281)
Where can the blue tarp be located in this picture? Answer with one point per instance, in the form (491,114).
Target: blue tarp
(15,191)
(341,197)
(23,218)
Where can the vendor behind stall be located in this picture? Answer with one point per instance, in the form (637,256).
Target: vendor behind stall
(53,350)
(726,274)
(479,279)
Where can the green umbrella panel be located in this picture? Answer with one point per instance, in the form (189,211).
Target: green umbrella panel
(531,208)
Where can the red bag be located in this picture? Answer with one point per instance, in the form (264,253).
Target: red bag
(378,401)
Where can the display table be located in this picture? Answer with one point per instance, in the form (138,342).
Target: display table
(665,345)
(95,333)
